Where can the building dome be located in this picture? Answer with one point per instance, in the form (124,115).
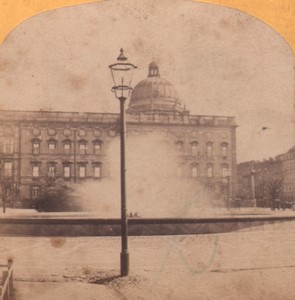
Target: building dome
(154,94)
(292,150)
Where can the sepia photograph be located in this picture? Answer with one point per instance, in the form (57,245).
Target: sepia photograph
(147,150)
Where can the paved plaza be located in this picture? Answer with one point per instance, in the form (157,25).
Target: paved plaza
(258,263)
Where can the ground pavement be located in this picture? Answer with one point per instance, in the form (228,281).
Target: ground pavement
(255,264)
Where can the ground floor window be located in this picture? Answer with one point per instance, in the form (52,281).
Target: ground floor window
(35,192)
(97,171)
(82,171)
(67,171)
(35,171)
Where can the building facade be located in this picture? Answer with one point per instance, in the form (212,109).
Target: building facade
(267,179)
(288,163)
(75,145)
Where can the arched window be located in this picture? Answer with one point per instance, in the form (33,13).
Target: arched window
(179,145)
(67,145)
(82,147)
(209,170)
(36,146)
(52,145)
(194,170)
(224,149)
(97,144)
(194,147)
(209,149)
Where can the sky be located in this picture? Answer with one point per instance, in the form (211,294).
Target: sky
(220,61)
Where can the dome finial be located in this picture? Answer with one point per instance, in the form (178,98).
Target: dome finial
(121,56)
(153,69)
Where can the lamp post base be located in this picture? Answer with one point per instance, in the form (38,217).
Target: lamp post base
(124,263)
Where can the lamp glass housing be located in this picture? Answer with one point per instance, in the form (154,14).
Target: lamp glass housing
(122,73)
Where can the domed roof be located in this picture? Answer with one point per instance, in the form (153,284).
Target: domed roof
(154,94)
(292,150)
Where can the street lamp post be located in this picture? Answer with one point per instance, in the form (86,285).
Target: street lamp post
(252,172)
(122,72)
(228,173)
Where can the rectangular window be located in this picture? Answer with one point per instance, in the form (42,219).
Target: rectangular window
(82,148)
(209,150)
(51,146)
(97,148)
(36,147)
(209,171)
(35,192)
(194,171)
(179,146)
(8,146)
(82,171)
(8,169)
(35,171)
(224,148)
(67,148)
(97,171)
(194,148)
(67,171)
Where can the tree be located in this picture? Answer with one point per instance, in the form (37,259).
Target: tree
(273,184)
(55,194)
(6,185)
(6,188)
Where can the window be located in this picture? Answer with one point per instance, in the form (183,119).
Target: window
(209,170)
(8,169)
(82,147)
(209,149)
(67,146)
(179,145)
(224,170)
(224,148)
(52,145)
(67,171)
(51,171)
(8,146)
(35,192)
(97,171)
(97,147)
(36,147)
(82,171)
(194,146)
(194,170)
(35,171)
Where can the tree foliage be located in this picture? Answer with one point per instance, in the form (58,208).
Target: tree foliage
(55,195)
(273,183)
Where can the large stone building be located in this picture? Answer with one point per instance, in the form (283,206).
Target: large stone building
(267,179)
(288,162)
(34,143)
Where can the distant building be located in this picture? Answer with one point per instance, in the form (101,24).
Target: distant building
(271,177)
(258,182)
(75,144)
(288,161)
